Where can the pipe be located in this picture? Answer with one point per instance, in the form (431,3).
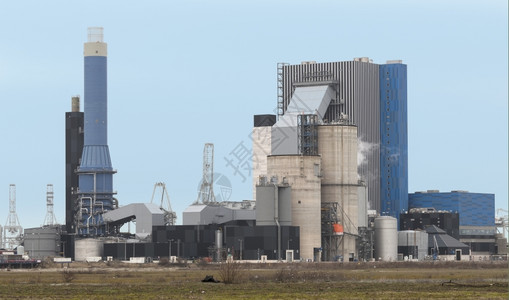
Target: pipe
(276,219)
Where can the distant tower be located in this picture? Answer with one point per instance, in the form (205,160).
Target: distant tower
(73,150)
(95,172)
(50,219)
(12,229)
(206,193)
(170,217)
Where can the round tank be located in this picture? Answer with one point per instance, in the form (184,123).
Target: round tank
(20,250)
(337,144)
(88,248)
(386,238)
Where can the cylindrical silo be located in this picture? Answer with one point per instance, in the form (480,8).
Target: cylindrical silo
(386,238)
(337,144)
(302,173)
(88,248)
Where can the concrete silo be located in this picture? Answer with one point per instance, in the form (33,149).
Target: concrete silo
(302,173)
(337,145)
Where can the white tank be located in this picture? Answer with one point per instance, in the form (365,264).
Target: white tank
(20,250)
(386,238)
(88,248)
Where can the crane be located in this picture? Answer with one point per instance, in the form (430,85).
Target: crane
(170,216)
(206,193)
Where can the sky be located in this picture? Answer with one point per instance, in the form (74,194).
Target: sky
(185,73)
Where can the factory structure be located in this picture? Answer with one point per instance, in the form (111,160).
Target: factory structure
(330,183)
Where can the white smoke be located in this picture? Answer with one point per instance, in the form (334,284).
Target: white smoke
(363,150)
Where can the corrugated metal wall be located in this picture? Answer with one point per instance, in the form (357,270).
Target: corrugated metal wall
(359,91)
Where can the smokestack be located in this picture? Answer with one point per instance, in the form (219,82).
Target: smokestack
(95,172)
(75,104)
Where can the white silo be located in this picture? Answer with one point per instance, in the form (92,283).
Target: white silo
(386,238)
(337,144)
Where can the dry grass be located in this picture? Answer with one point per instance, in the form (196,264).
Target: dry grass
(260,281)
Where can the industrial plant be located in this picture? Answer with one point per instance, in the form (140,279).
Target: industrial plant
(330,183)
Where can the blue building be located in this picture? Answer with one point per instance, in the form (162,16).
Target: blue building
(393,139)
(476,215)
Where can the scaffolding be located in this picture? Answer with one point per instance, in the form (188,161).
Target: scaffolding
(50,218)
(331,239)
(13,231)
(170,217)
(308,134)
(206,193)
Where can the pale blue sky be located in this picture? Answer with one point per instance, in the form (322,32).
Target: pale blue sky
(183,73)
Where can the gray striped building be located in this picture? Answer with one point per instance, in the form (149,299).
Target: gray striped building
(356,101)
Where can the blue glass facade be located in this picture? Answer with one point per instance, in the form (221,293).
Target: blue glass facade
(393,140)
(474,209)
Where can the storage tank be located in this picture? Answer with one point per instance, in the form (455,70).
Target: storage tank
(302,173)
(337,144)
(386,238)
(88,248)
(20,250)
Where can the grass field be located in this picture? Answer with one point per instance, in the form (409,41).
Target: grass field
(451,280)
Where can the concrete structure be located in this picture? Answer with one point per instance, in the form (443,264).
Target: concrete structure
(413,244)
(359,96)
(88,248)
(219,212)
(95,171)
(302,173)
(274,204)
(337,145)
(386,238)
(476,215)
(261,138)
(74,131)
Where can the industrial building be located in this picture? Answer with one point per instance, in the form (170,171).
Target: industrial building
(420,218)
(372,97)
(330,182)
(476,215)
